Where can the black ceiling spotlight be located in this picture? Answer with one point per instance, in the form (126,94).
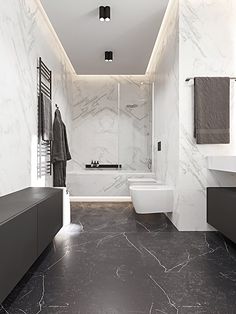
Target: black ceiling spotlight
(107,13)
(108,56)
(104,13)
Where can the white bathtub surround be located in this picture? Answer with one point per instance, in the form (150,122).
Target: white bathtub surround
(155,198)
(101,183)
(26,35)
(193,45)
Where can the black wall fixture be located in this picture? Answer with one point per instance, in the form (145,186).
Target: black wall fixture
(104,13)
(108,56)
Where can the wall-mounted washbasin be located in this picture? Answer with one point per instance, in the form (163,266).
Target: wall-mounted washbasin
(222,163)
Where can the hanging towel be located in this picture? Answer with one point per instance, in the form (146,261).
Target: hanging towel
(46,108)
(212,110)
(59,174)
(60,151)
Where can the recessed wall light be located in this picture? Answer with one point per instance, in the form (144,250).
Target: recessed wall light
(108,56)
(104,13)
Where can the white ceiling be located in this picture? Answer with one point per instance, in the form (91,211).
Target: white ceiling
(131,33)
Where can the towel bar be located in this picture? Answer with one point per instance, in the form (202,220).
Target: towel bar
(192,78)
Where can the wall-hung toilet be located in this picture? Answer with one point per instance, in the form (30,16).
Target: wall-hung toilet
(156,198)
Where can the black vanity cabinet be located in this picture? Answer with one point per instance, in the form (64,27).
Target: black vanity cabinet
(18,244)
(221,210)
(29,220)
(49,221)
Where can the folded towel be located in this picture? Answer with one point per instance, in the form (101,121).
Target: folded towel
(46,107)
(212,110)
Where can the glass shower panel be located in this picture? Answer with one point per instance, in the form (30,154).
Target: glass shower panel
(135,125)
(95,122)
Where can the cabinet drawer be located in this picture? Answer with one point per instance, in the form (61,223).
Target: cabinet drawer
(18,247)
(221,210)
(49,220)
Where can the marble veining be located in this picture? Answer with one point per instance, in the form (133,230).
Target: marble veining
(113,261)
(25,36)
(207,56)
(115,115)
(112,123)
(191,44)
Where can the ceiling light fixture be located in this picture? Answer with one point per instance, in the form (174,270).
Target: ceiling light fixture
(104,13)
(108,56)
(107,13)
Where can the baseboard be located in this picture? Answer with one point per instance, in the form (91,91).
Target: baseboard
(100,199)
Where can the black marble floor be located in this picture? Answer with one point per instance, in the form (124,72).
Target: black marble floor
(111,261)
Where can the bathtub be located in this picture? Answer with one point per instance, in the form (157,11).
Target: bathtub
(156,198)
(102,183)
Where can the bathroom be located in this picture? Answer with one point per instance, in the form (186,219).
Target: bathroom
(144,223)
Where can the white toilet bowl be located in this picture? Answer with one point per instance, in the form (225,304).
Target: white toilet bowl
(156,198)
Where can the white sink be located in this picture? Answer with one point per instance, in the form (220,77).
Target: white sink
(222,163)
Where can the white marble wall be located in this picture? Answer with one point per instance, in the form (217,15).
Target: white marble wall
(165,72)
(95,122)
(25,35)
(112,121)
(193,44)
(207,48)
(112,124)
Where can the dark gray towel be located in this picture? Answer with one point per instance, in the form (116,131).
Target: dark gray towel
(212,110)
(60,150)
(46,105)
(59,174)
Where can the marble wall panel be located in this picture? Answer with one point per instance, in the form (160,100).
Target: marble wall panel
(25,35)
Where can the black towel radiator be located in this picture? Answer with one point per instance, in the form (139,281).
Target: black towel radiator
(44,147)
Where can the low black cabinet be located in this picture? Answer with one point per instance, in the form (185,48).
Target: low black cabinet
(49,221)
(18,243)
(29,220)
(221,210)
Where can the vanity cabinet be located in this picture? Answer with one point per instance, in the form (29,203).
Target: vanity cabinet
(49,221)
(29,220)
(221,210)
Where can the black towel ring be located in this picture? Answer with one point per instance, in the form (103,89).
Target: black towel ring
(56,106)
